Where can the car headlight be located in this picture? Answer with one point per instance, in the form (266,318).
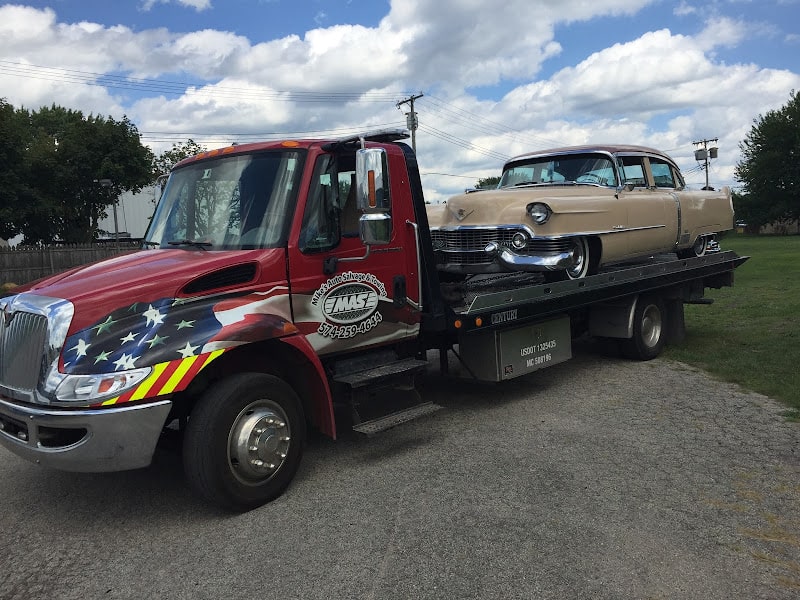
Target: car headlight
(94,388)
(539,212)
(519,240)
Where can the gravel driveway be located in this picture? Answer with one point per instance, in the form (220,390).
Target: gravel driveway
(597,478)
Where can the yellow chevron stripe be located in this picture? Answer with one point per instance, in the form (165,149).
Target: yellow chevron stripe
(177,376)
(145,386)
(211,357)
(109,402)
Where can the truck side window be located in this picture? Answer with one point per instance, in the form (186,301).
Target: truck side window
(320,230)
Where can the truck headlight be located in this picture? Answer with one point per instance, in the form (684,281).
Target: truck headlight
(94,388)
(539,212)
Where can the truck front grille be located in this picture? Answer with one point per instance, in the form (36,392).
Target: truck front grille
(22,345)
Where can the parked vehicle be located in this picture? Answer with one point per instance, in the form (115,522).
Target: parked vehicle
(283,281)
(568,212)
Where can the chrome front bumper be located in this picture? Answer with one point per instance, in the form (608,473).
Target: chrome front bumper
(86,439)
(551,261)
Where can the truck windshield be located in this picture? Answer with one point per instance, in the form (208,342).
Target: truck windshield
(569,168)
(228,203)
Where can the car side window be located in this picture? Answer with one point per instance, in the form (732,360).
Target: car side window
(663,175)
(633,173)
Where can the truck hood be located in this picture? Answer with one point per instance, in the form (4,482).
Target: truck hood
(99,288)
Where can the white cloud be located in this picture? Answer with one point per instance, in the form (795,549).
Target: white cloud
(198,5)
(662,89)
(684,9)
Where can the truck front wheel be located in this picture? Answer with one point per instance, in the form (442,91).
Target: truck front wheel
(648,329)
(244,441)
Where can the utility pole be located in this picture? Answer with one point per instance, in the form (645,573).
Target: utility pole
(705,153)
(412,122)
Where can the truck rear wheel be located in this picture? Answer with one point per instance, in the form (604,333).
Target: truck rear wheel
(244,441)
(649,329)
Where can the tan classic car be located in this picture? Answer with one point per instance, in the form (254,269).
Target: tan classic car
(567,212)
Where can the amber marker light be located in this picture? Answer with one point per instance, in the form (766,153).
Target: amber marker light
(373,202)
(457,324)
(478,321)
(290,144)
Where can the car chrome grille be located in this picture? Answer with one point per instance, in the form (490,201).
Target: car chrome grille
(466,246)
(22,340)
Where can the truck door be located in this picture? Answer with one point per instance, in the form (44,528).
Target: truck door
(346,294)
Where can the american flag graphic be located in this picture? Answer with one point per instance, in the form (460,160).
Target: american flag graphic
(146,333)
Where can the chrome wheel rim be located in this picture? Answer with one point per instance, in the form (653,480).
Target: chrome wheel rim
(258,442)
(699,247)
(651,326)
(579,254)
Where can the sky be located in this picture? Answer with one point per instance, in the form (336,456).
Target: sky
(491,79)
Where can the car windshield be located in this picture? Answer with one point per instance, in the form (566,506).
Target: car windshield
(228,203)
(590,168)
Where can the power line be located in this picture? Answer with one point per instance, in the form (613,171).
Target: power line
(176,88)
(463,143)
(481,124)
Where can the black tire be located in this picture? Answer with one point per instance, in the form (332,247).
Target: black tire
(581,268)
(244,441)
(649,329)
(699,248)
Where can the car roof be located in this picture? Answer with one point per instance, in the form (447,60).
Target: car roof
(609,148)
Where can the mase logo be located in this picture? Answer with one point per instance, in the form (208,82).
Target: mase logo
(349,302)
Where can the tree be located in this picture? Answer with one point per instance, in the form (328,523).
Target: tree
(12,144)
(487,183)
(164,162)
(770,165)
(64,157)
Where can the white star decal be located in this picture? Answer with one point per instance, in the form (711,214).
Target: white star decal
(187,350)
(128,338)
(153,316)
(125,362)
(81,348)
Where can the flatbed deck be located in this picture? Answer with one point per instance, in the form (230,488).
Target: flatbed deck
(530,297)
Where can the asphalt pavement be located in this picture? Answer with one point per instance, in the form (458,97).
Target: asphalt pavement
(596,478)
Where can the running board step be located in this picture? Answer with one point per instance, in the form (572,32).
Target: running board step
(397,418)
(382,373)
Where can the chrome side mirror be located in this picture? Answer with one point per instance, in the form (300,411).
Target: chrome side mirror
(375,229)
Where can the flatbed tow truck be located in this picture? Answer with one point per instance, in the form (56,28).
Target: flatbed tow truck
(283,284)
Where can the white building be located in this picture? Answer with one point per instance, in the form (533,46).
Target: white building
(134,212)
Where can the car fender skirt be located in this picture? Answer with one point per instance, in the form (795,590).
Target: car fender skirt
(546,261)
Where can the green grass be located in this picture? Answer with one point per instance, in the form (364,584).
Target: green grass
(751,334)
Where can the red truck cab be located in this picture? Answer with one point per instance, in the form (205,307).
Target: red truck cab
(261,261)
